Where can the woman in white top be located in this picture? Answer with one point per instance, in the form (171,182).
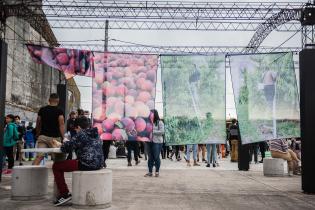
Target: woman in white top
(155,146)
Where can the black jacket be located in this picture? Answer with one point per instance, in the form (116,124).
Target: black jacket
(88,148)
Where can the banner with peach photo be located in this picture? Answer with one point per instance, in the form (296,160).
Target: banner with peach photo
(123,88)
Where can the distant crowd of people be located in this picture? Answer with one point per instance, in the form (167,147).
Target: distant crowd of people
(78,136)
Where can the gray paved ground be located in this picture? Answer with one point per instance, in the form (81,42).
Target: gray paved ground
(180,187)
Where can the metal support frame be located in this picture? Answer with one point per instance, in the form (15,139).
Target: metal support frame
(308,36)
(262,17)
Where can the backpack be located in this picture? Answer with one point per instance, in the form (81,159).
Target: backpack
(16,136)
(29,136)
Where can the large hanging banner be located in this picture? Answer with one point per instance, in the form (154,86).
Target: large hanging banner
(266,96)
(123,88)
(194,99)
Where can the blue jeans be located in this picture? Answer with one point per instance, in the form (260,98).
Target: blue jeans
(194,149)
(29,145)
(154,150)
(211,152)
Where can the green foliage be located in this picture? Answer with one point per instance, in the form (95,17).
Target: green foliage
(183,124)
(254,114)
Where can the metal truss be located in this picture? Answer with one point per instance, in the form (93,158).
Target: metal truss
(262,17)
(267,27)
(308,36)
(148,49)
(201,25)
(164,9)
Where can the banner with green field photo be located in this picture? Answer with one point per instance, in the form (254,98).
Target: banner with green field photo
(194,99)
(266,96)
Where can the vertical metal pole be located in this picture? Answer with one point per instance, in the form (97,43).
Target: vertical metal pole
(3,78)
(106,37)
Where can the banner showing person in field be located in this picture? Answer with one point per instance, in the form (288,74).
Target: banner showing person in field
(123,88)
(266,96)
(194,99)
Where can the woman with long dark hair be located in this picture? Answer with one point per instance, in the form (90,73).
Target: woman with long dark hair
(155,146)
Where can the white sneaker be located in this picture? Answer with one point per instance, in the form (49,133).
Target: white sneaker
(290,173)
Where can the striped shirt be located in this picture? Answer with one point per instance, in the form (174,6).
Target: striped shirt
(279,145)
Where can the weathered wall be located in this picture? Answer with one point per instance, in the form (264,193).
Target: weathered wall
(28,84)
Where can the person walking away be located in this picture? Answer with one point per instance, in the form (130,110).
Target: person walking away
(20,142)
(211,155)
(176,151)
(29,142)
(11,135)
(202,148)
(71,128)
(194,148)
(233,136)
(253,150)
(262,148)
(132,145)
(154,147)
(50,128)
(105,148)
(89,153)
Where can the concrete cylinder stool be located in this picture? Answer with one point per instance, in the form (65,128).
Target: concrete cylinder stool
(29,182)
(275,167)
(92,189)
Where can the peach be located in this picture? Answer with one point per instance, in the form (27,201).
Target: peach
(99,77)
(108,89)
(129,99)
(62,58)
(121,90)
(142,75)
(106,136)
(114,117)
(149,127)
(144,96)
(132,92)
(128,123)
(151,75)
(108,125)
(130,111)
(99,114)
(140,124)
(140,81)
(150,104)
(119,134)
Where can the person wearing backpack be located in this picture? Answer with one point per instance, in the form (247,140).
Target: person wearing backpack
(29,142)
(11,135)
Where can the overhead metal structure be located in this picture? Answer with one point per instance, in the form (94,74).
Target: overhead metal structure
(261,17)
(174,49)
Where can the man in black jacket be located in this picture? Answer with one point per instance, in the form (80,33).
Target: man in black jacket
(88,148)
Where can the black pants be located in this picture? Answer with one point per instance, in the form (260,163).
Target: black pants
(9,153)
(132,145)
(175,150)
(253,150)
(262,148)
(106,146)
(165,151)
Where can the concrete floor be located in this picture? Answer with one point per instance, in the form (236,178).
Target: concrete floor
(180,187)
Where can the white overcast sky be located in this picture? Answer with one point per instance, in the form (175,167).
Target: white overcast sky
(197,38)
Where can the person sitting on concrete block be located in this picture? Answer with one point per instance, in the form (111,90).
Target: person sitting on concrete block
(279,149)
(89,153)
